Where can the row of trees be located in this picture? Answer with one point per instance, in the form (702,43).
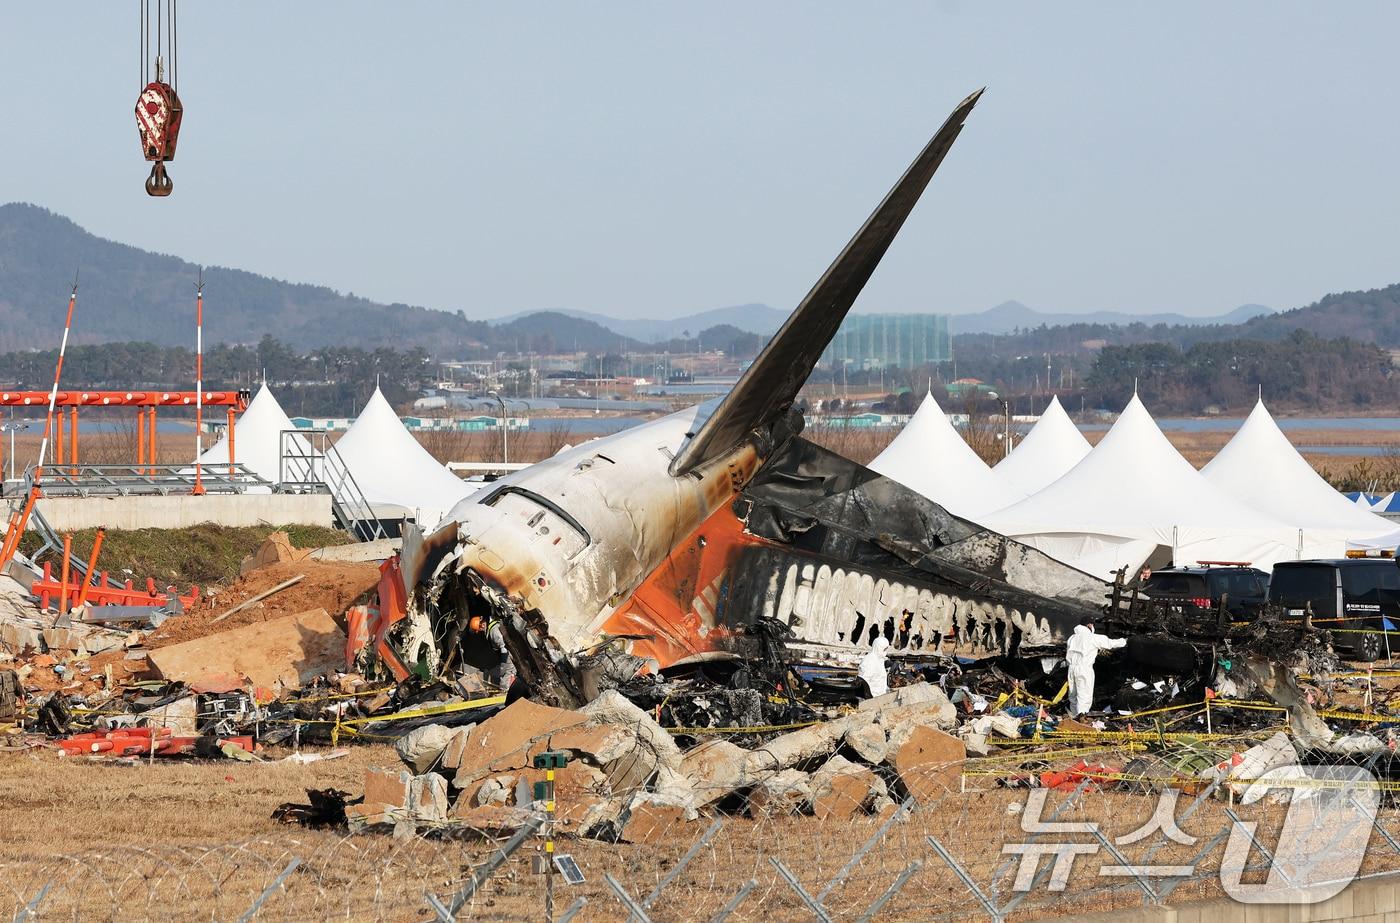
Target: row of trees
(1300,372)
(333,381)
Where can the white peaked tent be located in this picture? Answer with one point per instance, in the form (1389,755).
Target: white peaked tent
(1133,494)
(928,456)
(1260,466)
(390,466)
(257,438)
(1052,447)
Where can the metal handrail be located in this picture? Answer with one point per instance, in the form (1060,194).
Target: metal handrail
(127,479)
(312,462)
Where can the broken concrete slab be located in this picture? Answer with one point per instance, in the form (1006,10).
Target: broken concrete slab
(421,747)
(715,769)
(661,754)
(451,757)
(20,638)
(929,764)
(491,819)
(502,742)
(653,819)
(600,743)
(427,798)
(914,694)
(358,552)
(60,639)
(846,795)
(868,742)
(784,792)
(387,787)
(275,655)
(841,789)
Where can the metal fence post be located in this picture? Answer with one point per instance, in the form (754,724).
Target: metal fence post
(267,892)
(735,901)
(1169,886)
(1235,818)
(1123,863)
(484,872)
(443,914)
(987,903)
(812,903)
(685,860)
(638,912)
(572,910)
(890,892)
(902,812)
(1054,815)
(28,911)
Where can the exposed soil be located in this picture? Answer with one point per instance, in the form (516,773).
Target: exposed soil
(326,585)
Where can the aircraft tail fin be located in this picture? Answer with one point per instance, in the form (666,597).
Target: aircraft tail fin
(770,385)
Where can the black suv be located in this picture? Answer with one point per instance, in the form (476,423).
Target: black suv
(1244,589)
(1346,595)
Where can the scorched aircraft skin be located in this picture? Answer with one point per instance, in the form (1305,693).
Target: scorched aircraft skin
(570,551)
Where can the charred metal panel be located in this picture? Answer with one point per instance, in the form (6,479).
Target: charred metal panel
(833,602)
(820,503)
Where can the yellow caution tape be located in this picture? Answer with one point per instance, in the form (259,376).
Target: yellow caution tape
(753,729)
(425,711)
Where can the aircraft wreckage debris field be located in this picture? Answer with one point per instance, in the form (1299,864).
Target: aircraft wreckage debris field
(708,667)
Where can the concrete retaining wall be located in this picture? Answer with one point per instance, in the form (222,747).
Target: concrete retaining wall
(1368,900)
(181,511)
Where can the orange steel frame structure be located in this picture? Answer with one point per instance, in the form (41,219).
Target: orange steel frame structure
(146,404)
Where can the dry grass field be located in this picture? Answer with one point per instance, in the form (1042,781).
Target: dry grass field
(195,841)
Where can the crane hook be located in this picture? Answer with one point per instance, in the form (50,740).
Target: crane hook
(159,183)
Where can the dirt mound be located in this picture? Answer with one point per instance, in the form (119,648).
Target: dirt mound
(332,586)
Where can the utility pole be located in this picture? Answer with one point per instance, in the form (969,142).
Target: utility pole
(1007,406)
(505,427)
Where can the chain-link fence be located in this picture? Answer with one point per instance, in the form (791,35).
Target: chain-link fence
(993,852)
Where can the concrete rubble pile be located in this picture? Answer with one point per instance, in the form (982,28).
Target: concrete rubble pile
(627,778)
(244,667)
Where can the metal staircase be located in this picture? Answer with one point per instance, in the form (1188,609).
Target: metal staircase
(309,463)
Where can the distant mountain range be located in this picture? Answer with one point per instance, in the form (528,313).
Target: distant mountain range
(1004,318)
(751,318)
(129,294)
(1012,315)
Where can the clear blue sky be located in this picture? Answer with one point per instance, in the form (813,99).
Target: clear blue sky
(646,159)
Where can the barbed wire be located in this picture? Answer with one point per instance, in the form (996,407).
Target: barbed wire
(757,856)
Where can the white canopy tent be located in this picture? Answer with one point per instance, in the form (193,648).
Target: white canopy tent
(1052,447)
(928,456)
(390,466)
(1134,494)
(257,439)
(1261,467)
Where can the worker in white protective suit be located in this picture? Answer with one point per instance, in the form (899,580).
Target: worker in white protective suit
(872,668)
(1081,652)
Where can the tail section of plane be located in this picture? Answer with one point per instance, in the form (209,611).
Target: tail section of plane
(770,385)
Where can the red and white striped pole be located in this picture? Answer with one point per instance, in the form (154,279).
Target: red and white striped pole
(53,392)
(199,385)
(19,519)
